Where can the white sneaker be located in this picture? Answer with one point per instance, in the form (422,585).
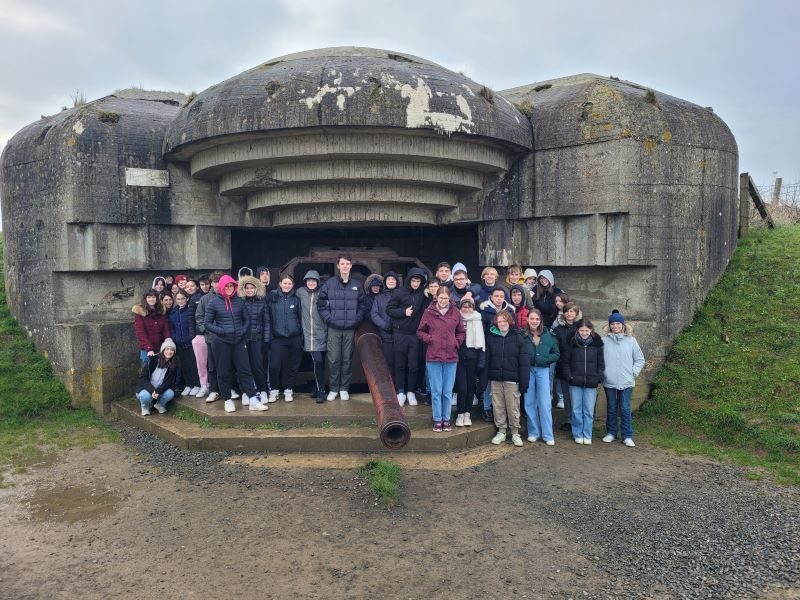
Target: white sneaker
(273,395)
(202,391)
(412,399)
(234,395)
(346,395)
(560,404)
(161,409)
(499,438)
(460,421)
(401,398)
(145,412)
(245,400)
(608,438)
(194,391)
(257,405)
(263,397)
(532,439)
(288,395)
(516,440)
(467,420)
(587,441)
(230,406)
(550,442)
(454,400)
(186,391)
(331,396)
(212,397)
(579,440)
(474,401)
(629,443)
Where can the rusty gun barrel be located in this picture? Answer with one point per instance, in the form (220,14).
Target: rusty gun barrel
(392,423)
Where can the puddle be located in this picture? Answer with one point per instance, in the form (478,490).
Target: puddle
(71,504)
(37,461)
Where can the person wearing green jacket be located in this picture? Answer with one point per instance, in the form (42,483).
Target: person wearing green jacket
(624,361)
(543,350)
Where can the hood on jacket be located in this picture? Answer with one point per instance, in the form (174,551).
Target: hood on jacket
(140,310)
(522,290)
(416,272)
(563,323)
(547,274)
(243,281)
(459,266)
(156,278)
(245,271)
(373,279)
(225,280)
(627,329)
(391,274)
(312,274)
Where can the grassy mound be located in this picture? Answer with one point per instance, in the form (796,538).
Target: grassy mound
(35,416)
(731,385)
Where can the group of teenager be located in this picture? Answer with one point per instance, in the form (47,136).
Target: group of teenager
(501,348)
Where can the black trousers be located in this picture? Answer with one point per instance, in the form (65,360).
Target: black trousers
(188,365)
(227,356)
(466,382)
(388,354)
(285,355)
(265,352)
(254,352)
(318,360)
(213,382)
(406,362)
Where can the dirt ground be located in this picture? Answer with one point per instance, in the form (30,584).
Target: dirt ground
(122,521)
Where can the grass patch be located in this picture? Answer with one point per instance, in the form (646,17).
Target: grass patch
(36,420)
(384,480)
(730,388)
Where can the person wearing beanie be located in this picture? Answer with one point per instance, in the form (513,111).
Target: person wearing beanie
(462,287)
(583,364)
(624,361)
(530,279)
(157,378)
(381,319)
(315,332)
(545,297)
(228,322)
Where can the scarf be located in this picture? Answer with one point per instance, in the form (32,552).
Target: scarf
(474,326)
(583,342)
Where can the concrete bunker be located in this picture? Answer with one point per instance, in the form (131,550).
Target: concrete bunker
(628,195)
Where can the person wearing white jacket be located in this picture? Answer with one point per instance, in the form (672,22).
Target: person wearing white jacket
(623,363)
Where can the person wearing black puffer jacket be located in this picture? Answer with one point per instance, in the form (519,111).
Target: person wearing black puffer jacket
(251,291)
(381,319)
(405,310)
(228,322)
(508,372)
(287,337)
(342,306)
(583,370)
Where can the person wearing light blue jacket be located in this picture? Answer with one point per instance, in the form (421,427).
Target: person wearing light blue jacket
(624,361)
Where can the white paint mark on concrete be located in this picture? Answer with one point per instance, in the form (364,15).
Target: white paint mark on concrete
(327,89)
(469,89)
(78,128)
(418,113)
(146,177)
(340,101)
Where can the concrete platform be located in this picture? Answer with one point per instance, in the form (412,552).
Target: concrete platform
(299,426)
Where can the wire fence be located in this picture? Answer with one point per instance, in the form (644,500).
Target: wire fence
(784,209)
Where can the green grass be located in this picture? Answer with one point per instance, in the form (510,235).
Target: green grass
(730,388)
(36,420)
(384,480)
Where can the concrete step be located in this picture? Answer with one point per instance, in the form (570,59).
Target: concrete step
(254,434)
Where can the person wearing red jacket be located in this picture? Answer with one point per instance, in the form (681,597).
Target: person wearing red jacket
(150,324)
(442,329)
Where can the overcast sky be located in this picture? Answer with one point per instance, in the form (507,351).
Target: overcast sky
(740,57)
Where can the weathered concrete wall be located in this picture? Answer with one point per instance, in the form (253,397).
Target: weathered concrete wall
(628,196)
(633,204)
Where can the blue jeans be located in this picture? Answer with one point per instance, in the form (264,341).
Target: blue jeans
(583,401)
(487,398)
(538,404)
(146,400)
(619,400)
(442,377)
(143,358)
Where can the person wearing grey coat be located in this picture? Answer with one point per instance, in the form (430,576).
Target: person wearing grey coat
(315,332)
(624,361)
